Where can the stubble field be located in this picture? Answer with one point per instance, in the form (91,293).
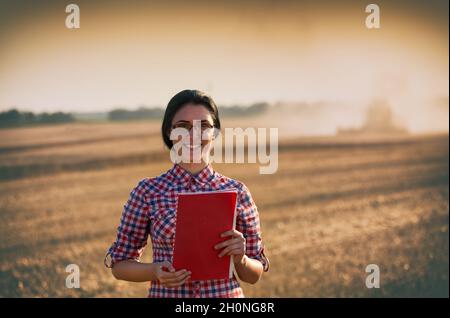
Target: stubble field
(334,206)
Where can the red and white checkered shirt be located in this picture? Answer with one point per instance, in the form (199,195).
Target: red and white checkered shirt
(151,210)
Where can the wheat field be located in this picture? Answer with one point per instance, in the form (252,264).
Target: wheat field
(334,206)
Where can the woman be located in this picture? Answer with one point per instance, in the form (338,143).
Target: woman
(151,210)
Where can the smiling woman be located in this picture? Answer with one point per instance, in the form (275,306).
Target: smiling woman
(151,211)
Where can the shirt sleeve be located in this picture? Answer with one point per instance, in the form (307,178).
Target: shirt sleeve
(248,224)
(133,229)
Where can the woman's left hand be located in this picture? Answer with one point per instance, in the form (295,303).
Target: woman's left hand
(235,246)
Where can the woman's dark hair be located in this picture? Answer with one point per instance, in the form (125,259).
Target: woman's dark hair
(181,99)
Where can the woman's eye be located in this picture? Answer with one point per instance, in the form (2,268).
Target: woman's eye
(189,126)
(185,126)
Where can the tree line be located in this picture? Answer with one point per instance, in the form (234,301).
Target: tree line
(158,112)
(14,118)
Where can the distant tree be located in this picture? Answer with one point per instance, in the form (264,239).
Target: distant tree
(29,117)
(239,111)
(10,117)
(57,117)
(140,113)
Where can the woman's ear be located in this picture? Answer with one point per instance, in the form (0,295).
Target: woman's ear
(216,132)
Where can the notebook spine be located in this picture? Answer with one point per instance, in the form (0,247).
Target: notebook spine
(234,227)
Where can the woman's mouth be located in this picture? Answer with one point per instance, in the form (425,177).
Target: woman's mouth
(191,147)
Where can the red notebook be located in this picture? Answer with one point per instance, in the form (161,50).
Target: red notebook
(201,218)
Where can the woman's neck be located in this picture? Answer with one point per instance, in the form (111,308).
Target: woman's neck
(193,168)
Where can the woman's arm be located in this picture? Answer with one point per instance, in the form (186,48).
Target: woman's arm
(134,271)
(249,270)
(131,239)
(245,244)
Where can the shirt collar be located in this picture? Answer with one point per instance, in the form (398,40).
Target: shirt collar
(203,176)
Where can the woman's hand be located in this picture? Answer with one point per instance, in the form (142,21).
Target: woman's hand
(171,278)
(234,247)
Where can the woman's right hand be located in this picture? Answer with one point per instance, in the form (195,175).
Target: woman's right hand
(171,278)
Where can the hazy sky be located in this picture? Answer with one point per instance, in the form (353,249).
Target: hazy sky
(130,53)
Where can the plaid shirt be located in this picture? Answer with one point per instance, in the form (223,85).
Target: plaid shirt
(151,210)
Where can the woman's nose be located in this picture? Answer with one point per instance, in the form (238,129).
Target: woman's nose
(195,132)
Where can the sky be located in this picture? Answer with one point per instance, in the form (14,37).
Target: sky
(133,53)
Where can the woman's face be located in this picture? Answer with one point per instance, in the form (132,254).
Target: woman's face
(184,118)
